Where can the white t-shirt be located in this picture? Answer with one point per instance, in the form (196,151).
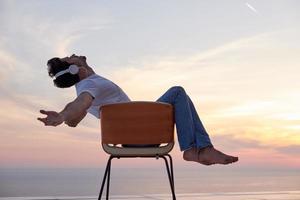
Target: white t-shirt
(104,91)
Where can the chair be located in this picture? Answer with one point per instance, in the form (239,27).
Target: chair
(137,129)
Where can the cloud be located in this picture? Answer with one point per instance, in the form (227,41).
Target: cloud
(230,85)
(253,152)
(47,30)
(233,143)
(8,62)
(60,36)
(65,43)
(293,150)
(221,72)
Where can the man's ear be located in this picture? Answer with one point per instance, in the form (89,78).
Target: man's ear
(82,73)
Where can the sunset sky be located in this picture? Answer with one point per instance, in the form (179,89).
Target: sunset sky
(238,60)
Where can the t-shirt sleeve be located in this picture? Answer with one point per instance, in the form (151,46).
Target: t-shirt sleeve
(89,87)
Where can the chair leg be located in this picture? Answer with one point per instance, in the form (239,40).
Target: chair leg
(108,180)
(107,169)
(172,171)
(171,179)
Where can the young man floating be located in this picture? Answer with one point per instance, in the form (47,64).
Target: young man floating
(93,91)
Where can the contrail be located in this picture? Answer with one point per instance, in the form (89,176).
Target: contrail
(251,7)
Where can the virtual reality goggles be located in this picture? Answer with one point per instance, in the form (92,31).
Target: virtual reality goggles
(73,69)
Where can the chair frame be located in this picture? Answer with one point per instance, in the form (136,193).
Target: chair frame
(157,121)
(168,163)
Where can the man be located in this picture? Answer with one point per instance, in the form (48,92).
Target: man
(93,91)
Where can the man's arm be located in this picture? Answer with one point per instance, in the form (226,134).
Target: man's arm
(72,114)
(75,121)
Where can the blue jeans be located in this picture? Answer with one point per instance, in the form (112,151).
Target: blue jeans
(190,130)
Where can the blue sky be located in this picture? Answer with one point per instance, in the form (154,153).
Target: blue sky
(238,60)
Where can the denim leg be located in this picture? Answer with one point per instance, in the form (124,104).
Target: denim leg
(190,130)
(204,140)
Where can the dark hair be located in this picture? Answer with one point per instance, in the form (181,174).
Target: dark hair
(56,65)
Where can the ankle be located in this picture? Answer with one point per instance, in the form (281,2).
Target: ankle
(189,154)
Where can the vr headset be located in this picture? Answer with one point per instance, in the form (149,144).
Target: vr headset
(73,69)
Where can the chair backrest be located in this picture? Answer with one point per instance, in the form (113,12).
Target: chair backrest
(137,123)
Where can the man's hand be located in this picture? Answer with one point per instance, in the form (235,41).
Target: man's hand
(72,114)
(52,119)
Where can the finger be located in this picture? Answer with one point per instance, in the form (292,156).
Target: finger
(44,112)
(42,119)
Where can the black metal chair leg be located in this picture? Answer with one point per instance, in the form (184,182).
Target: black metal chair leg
(108,168)
(104,178)
(108,179)
(172,171)
(170,178)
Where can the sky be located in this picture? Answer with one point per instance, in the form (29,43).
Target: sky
(238,61)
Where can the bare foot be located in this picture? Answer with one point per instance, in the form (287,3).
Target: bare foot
(208,156)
